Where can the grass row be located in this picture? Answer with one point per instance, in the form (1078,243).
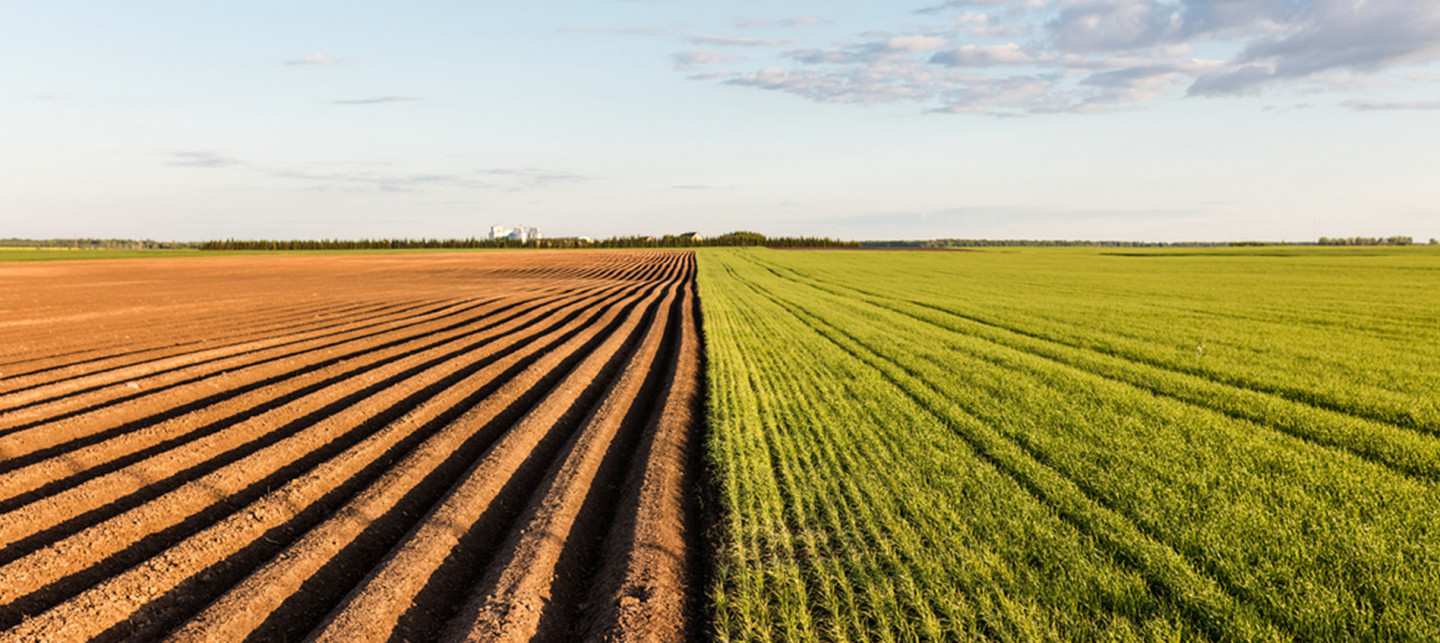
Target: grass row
(923,447)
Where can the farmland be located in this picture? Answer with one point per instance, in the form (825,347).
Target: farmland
(475,446)
(1233,444)
(1033,444)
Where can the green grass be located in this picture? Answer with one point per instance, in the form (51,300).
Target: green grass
(1238,444)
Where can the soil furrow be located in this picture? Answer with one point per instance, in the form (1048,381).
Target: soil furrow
(173,387)
(114,601)
(645,587)
(90,417)
(538,583)
(188,336)
(114,335)
(309,416)
(375,608)
(213,413)
(274,447)
(111,361)
(25,401)
(279,599)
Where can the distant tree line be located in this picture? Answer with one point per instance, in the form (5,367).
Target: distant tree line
(98,244)
(684,240)
(1367,241)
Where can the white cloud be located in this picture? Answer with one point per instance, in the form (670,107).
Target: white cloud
(987,55)
(1366,105)
(1102,55)
(801,21)
(914,43)
(713,75)
(693,59)
(741,41)
(955,4)
(345,176)
(789,23)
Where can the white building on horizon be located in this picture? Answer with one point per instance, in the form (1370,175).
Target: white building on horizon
(518,233)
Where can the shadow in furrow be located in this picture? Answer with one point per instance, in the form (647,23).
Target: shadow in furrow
(581,558)
(319,593)
(363,322)
(446,589)
(66,482)
(211,331)
(170,413)
(190,407)
(54,593)
(159,488)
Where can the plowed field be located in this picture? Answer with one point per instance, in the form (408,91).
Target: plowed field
(468,446)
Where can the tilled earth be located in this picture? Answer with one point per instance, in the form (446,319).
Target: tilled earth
(459,446)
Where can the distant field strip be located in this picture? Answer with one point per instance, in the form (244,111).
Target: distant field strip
(1074,446)
(475,447)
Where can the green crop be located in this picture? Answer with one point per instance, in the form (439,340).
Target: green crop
(1074,445)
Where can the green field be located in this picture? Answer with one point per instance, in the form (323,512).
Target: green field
(1075,444)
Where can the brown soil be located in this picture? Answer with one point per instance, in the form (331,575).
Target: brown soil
(471,446)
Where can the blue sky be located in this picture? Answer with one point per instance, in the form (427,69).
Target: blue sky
(1157,120)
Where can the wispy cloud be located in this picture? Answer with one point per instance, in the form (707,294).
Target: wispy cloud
(788,23)
(377,100)
(50,97)
(380,176)
(1034,56)
(741,41)
(751,23)
(801,21)
(1024,57)
(200,158)
(988,55)
(1365,105)
(713,75)
(529,177)
(695,59)
(318,59)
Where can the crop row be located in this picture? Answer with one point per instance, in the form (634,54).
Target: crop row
(896,464)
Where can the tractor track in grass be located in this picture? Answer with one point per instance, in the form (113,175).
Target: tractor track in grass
(470,446)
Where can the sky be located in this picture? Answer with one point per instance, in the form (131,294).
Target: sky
(1150,120)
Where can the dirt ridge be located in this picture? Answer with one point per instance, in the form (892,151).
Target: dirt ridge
(352,447)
